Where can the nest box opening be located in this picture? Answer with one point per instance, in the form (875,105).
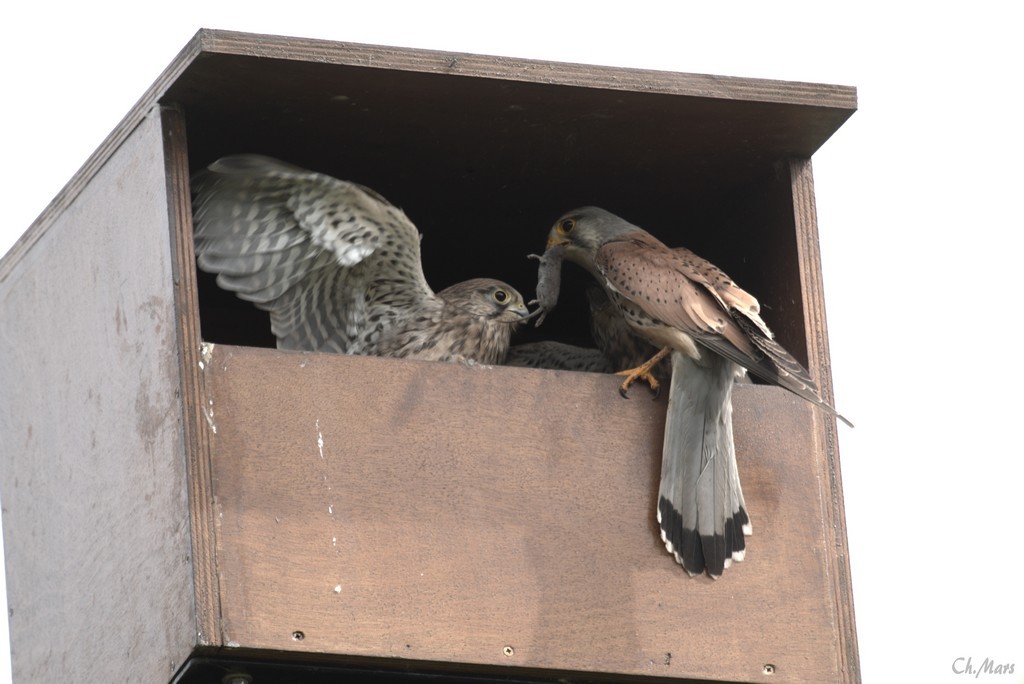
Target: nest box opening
(484,166)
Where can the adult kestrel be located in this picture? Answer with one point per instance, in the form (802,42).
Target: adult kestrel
(338,267)
(687,307)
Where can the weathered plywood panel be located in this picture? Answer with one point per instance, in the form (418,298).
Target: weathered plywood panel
(207,597)
(833,511)
(92,469)
(431,512)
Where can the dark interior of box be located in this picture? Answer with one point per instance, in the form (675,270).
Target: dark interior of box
(267,668)
(485,166)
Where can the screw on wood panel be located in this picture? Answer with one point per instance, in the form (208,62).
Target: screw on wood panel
(768,669)
(236,678)
(298,635)
(508,651)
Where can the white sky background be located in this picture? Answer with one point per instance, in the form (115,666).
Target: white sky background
(918,206)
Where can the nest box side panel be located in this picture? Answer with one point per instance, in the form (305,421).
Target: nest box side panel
(95,514)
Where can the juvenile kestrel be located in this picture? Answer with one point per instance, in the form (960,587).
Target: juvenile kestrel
(338,267)
(686,307)
(558,356)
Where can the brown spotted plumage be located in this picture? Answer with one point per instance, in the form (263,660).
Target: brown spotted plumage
(338,267)
(712,328)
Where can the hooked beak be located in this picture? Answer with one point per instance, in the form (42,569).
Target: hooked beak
(516,316)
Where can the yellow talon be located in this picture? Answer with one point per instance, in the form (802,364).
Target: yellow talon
(643,372)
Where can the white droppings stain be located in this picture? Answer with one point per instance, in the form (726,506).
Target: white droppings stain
(208,413)
(330,508)
(334,541)
(337,588)
(205,353)
(319,439)
(233,644)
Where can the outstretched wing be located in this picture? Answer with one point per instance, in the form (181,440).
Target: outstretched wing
(333,262)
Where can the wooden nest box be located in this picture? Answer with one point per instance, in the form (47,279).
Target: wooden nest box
(183,502)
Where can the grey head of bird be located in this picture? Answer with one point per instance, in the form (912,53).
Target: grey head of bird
(582,231)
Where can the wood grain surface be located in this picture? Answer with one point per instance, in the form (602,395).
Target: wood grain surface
(410,510)
(92,465)
(833,510)
(193,398)
(518,69)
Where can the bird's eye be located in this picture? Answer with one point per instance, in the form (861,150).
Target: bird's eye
(500,296)
(565,226)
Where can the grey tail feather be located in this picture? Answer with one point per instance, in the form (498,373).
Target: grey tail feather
(701,511)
